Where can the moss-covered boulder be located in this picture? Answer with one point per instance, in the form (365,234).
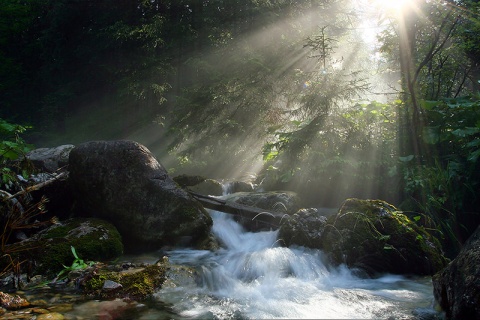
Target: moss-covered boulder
(133,284)
(304,228)
(122,182)
(457,287)
(50,250)
(375,236)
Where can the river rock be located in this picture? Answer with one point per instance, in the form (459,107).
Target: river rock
(278,201)
(122,182)
(50,159)
(185,180)
(457,287)
(375,236)
(238,186)
(304,228)
(12,302)
(208,187)
(137,284)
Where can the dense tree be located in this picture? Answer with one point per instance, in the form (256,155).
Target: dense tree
(282,84)
(435,65)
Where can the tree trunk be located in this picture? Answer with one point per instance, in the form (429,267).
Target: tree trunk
(250,217)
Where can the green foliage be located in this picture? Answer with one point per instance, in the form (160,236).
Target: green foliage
(77,264)
(12,147)
(445,190)
(349,151)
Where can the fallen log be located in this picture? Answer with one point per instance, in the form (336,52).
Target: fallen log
(251,217)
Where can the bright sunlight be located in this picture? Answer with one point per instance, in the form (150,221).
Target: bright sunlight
(392,5)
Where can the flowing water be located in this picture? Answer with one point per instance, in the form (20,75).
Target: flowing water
(253,277)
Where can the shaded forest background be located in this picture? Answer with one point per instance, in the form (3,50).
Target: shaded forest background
(290,94)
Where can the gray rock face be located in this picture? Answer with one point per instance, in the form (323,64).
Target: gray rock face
(277,201)
(50,159)
(208,187)
(122,182)
(457,287)
(304,228)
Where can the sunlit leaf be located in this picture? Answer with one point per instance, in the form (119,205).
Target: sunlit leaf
(429,105)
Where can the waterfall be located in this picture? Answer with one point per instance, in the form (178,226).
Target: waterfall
(254,277)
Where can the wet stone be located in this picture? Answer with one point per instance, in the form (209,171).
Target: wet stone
(51,316)
(12,302)
(110,285)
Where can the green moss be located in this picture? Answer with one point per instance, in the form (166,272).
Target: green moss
(138,285)
(95,283)
(374,235)
(94,240)
(144,283)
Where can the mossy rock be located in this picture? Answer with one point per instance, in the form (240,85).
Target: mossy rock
(137,284)
(375,236)
(93,240)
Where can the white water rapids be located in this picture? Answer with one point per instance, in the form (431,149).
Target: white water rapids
(253,278)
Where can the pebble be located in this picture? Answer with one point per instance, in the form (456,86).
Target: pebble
(51,316)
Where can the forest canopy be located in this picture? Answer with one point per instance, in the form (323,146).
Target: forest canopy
(329,98)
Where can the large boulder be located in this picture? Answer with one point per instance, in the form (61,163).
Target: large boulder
(376,237)
(122,182)
(457,287)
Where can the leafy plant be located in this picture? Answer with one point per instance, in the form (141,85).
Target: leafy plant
(12,147)
(77,264)
(444,188)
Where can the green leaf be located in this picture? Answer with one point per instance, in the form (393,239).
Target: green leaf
(473,157)
(431,135)
(417,218)
(474,143)
(429,105)
(7,127)
(466,132)
(406,158)
(10,155)
(74,252)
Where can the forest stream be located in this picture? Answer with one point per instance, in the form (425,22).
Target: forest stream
(253,277)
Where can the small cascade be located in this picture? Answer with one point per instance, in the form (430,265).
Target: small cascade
(253,277)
